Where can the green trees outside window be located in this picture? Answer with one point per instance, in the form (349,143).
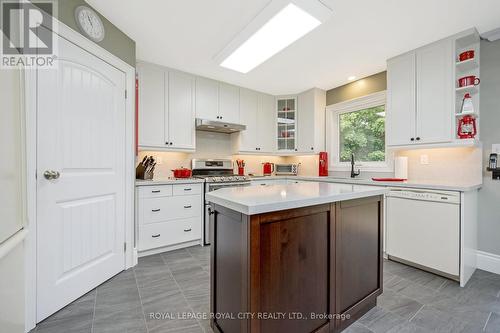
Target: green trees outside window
(362,133)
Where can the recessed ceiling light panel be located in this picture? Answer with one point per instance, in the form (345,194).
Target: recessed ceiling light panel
(271,35)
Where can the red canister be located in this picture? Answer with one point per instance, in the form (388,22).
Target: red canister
(470,80)
(466,55)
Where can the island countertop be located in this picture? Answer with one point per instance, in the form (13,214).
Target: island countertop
(253,200)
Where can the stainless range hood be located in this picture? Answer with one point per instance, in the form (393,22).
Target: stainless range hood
(218,126)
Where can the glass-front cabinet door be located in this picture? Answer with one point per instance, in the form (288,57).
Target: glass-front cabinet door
(287,112)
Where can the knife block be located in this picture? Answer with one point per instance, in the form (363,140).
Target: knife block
(140,173)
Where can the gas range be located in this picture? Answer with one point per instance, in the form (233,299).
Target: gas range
(225,179)
(218,174)
(216,171)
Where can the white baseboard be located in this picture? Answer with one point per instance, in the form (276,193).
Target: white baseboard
(488,262)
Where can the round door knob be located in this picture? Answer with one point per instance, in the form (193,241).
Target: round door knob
(51,174)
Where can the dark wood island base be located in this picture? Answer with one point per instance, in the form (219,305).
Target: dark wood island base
(311,269)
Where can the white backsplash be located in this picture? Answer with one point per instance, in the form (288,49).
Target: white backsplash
(444,164)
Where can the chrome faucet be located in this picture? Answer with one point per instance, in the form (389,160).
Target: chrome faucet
(354,173)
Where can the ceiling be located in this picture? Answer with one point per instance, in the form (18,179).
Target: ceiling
(356,41)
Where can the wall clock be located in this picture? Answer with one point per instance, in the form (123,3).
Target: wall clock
(89,23)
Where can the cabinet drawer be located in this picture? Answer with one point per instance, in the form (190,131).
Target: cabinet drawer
(169,233)
(153,210)
(155,191)
(186,189)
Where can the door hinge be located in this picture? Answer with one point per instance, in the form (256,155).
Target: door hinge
(125,247)
(125,93)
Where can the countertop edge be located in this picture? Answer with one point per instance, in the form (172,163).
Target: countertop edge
(299,203)
(167,182)
(370,182)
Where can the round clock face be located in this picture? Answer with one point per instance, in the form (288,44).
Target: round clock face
(90,23)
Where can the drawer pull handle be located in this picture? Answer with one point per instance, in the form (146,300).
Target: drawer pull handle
(187,189)
(155,210)
(156,236)
(187,206)
(156,191)
(187,230)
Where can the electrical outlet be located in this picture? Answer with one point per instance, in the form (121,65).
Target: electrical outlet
(495,148)
(424,159)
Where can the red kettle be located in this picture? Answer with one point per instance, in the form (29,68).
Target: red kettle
(267,168)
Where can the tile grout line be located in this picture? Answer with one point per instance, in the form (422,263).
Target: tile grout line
(196,259)
(442,285)
(93,312)
(412,317)
(140,299)
(487,320)
(181,290)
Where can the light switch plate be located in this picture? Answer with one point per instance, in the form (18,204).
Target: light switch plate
(424,159)
(495,148)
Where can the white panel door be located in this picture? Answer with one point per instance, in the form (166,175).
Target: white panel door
(229,103)
(249,105)
(266,121)
(400,117)
(181,118)
(207,98)
(81,214)
(151,106)
(435,92)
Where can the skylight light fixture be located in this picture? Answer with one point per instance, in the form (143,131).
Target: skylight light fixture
(281,30)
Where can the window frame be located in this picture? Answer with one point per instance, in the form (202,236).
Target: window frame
(333,113)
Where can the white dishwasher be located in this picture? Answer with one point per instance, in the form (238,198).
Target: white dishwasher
(423,229)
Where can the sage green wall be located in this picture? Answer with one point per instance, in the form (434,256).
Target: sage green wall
(115,41)
(362,87)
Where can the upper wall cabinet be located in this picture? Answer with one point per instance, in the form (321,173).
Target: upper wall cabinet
(166,109)
(421,95)
(207,98)
(217,101)
(311,121)
(257,113)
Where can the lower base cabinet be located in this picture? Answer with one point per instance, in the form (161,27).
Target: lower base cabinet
(311,269)
(169,216)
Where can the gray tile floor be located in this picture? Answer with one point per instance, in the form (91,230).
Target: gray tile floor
(151,296)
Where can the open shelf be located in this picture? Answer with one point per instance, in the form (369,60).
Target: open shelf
(474,114)
(472,89)
(467,65)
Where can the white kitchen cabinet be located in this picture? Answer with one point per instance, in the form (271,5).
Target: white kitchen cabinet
(311,121)
(420,96)
(181,124)
(229,103)
(249,105)
(435,92)
(207,98)
(169,217)
(400,115)
(151,122)
(266,124)
(166,109)
(257,113)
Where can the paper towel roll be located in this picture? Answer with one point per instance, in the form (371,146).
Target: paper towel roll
(401,167)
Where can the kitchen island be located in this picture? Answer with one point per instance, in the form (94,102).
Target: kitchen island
(303,257)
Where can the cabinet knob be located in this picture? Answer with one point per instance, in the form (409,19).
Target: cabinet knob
(295,149)
(155,191)
(418,138)
(412,139)
(312,148)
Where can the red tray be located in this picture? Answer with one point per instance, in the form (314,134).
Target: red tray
(389,179)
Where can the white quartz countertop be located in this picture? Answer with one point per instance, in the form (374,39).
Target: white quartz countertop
(253,200)
(168,181)
(422,184)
